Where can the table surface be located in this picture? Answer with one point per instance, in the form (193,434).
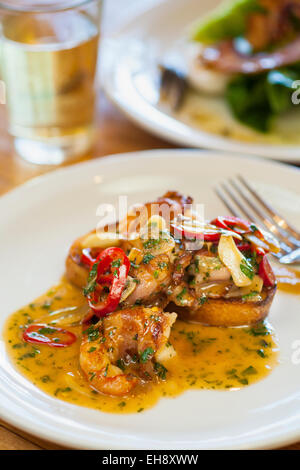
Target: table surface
(115,134)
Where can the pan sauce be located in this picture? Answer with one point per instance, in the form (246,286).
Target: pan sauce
(207,357)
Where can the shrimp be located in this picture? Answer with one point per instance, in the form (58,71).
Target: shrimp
(123,349)
(152,279)
(202,275)
(169,205)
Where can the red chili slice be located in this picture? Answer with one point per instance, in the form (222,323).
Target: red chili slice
(110,272)
(249,247)
(208,236)
(48,335)
(207,233)
(232,223)
(266,272)
(237,225)
(87,258)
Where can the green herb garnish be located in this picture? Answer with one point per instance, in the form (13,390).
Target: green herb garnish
(146,355)
(247,269)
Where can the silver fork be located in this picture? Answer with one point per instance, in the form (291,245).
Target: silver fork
(241,200)
(173,87)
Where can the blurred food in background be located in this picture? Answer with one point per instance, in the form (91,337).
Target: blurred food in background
(248,52)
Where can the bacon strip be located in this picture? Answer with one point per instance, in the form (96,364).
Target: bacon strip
(226,59)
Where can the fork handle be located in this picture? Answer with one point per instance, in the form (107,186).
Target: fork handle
(291,258)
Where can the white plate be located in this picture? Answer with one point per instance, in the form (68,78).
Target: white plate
(130,78)
(38,223)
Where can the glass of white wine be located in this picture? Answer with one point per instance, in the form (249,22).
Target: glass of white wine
(48,63)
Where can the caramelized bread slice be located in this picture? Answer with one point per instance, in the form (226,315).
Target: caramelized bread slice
(214,312)
(228,312)
(76,272)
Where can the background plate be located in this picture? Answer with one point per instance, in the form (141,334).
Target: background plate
(38,223)
(131,82)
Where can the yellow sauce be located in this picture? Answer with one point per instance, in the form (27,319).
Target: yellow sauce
(207,357)
(288,279)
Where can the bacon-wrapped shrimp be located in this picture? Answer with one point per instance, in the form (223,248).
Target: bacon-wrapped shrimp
(126,348)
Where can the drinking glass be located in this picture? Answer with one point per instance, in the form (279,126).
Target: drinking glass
(48,62)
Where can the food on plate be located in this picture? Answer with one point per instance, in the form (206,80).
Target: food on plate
(148,308)
(132,338)
(248,51)
(223,279)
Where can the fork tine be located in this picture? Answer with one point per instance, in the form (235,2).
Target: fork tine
(239,204)
(249,214)
(226,203)
(286,243)
(278,219)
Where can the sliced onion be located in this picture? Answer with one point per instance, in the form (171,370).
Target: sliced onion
(258,242)
(68,316)
(130,287)
(157,221)
(158,244)
(101,240)
(233,258)
(273,243)
(255,286)
(269,243)
(193,228)
(213,289)
(165,353)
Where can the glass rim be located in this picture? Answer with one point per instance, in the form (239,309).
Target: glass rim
(48,8)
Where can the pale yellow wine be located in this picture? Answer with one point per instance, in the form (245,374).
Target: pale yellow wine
(48,63)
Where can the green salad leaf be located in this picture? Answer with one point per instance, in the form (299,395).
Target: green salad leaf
(257,100)
(227,21)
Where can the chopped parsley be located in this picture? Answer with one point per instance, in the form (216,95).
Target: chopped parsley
(179,297)
(47,331)
(146,355)
(45,379)
(203,299)
(259,330)
(93,333)
(62,390)
(147,258)
(162,265)
(247,269)
(151,243)
(249,371)
(116,263)
(160,370)
(250,295)
(91,285)
(261,353)
(106,370)
(120,364)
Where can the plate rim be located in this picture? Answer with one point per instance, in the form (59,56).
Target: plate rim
(63,438)
(31,182)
